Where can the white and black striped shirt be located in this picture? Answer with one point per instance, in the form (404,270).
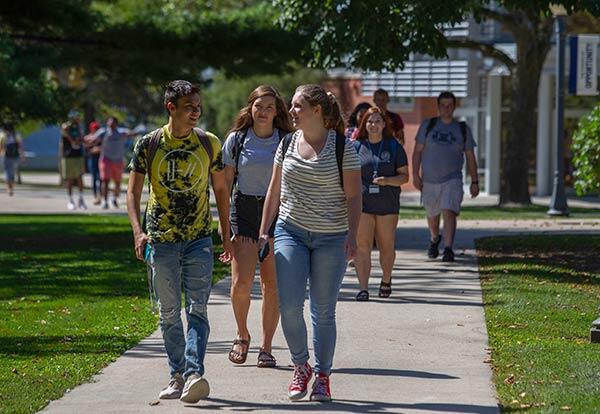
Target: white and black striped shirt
(311,194)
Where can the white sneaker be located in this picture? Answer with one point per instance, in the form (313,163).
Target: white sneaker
(104,205)
(82,204)
(71,206)
(174,389)
(195,389)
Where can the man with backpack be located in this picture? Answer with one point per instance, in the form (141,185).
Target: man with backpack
(175,241)
(11,147)
(437,171)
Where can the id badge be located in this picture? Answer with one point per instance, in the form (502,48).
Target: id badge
(373,189)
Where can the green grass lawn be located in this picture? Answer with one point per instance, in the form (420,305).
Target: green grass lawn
(503,213)
(72,299)
(541,294)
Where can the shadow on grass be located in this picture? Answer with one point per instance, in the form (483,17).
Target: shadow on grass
(48,345)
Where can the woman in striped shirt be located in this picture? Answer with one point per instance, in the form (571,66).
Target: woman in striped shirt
(316,188)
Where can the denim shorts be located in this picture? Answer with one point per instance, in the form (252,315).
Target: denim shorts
(245,216)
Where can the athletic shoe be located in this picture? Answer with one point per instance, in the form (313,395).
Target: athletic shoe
(195,389)
(320,390)
(174,389)
(434,248)
(71,206)
(448,255)
(82,204)
(115,203)
(299,385)
(104,205)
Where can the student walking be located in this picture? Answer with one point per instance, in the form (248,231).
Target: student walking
(72,161)
(354,120)
(94,147)
(381,99)
(248,155)
(12,149)
(176,240)
(316,188)
(384,168)
(437,172)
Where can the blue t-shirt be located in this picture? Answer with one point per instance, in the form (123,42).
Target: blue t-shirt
(255,163)
(443,157)
(382,160)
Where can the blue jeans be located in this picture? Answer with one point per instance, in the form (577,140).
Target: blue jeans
(189,263)
(318,258)
(94,170)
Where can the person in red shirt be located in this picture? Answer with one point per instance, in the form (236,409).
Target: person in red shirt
(381,99)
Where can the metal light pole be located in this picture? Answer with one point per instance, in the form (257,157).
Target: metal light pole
(558,203)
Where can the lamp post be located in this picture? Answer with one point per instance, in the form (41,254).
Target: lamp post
(558,202)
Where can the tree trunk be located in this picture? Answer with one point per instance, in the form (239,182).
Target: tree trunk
(532,49)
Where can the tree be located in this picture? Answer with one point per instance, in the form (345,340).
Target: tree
(586,150)
(65,52)
(382,34)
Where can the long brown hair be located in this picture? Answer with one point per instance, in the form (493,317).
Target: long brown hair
(282,120)
(330,108)
(362,129)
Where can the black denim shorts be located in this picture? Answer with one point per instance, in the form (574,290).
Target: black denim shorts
(245,216)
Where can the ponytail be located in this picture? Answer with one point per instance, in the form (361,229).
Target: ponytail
(334,119)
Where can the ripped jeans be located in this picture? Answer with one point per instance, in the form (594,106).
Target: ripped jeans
(187,263)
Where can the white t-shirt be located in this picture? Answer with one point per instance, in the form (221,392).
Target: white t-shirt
(311,194)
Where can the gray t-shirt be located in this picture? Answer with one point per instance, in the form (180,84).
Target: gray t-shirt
(113,143)
(256,161)
(443,155)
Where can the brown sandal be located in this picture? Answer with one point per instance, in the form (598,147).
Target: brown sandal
(238,357)
(266,360)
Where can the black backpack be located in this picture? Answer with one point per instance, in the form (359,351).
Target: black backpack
(340,143)
(462,124)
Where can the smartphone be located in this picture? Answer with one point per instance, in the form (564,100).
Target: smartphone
(263,252)
(148,253)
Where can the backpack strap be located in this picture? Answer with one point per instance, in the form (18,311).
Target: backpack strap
(340,144)
(463,131)
(205,142)
(430,125)
(152,147)
(286,143)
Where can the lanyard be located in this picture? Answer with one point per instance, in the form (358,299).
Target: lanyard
(376,159)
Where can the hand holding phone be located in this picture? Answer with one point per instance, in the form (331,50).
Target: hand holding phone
(263,252)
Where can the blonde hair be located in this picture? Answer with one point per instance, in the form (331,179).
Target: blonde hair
(330,108)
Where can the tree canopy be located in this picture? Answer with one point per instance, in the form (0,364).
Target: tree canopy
(383,34)
(56,52)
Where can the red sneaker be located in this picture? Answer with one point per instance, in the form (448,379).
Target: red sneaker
(321,391)
(299,385)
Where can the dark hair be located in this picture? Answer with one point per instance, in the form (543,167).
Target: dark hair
(282,120)
(362,129)
(352,119)
(446,95)
(330,108)
(177,89)
(114,118)
(382,92)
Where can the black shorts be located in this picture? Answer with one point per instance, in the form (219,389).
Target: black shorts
(245,216)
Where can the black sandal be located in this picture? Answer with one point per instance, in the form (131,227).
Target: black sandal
(266,360)
(362,296)
(385,289)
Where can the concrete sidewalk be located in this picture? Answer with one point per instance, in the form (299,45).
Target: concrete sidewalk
(420,351)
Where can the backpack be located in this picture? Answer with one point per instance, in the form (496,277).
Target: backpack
(462,124)
(153,146)
(11,149)
(340,143)
(238,147)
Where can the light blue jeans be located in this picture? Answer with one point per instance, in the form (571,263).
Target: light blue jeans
(189,263)
(318,258)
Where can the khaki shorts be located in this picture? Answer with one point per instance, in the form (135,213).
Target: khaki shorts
(444,196)
(71,168)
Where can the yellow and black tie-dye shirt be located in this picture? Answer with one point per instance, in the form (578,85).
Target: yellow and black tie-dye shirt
(178,206)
